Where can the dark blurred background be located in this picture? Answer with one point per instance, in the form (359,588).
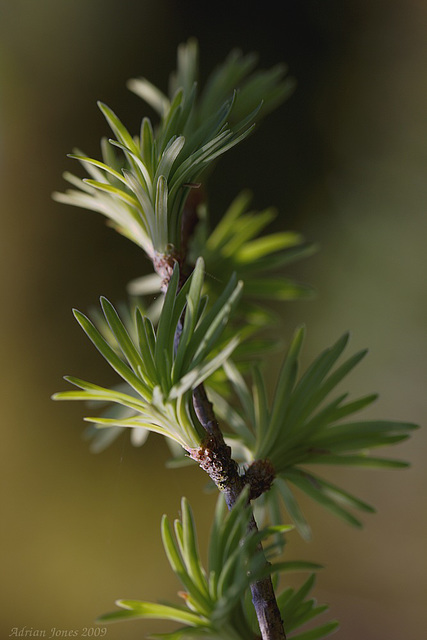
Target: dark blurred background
(344,160)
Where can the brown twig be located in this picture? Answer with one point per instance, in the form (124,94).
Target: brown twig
(214,456)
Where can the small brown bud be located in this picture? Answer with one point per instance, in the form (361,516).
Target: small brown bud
(259,476)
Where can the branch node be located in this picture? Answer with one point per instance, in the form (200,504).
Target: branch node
(259,476)
(214,457)
(164,264)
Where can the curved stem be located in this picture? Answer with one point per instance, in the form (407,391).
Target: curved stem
(214,456)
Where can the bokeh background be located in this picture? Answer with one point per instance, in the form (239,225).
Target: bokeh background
(345,162)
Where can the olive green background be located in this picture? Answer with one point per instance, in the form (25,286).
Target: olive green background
(344,161)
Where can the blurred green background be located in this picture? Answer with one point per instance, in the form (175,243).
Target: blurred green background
(345,161)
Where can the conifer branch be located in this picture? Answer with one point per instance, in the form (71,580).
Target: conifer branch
(172,356)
